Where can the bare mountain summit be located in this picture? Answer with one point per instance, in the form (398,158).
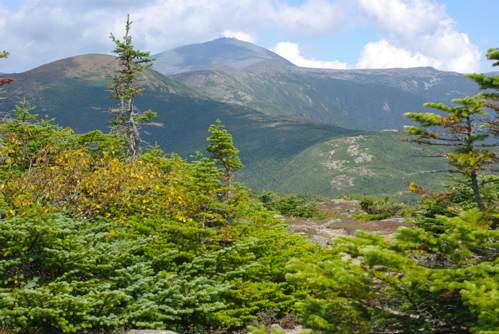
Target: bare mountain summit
(223,53)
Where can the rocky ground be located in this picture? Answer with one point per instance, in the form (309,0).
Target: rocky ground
(339,222)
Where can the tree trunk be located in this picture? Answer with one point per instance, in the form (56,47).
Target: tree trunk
(476,191)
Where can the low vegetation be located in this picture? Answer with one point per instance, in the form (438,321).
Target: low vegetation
(291,205)
(378,209)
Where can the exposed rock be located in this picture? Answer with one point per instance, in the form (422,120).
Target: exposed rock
(277,326)
(321,240)
(340,222)
(297,330)
(322,233)
(342,200)
(331,223)
(395,219)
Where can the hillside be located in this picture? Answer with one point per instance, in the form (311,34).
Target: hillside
(280,153)
(355,99)
(98,237)
(370,163)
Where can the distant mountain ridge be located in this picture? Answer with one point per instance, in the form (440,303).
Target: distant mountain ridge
(233,71)
(355,99)
(222,53)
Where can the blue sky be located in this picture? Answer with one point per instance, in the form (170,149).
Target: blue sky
(451,35)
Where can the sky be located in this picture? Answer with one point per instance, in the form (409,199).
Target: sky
(450,35)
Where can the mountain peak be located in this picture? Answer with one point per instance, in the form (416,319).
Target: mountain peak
(229,52)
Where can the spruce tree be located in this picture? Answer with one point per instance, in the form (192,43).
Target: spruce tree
(467,128)
(461,128)
(223,151)
(415,282)
(126,119)
(441,278)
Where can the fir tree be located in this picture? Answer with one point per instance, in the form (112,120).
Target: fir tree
(462,129)
(126,119)
(418,281)
(467,128)
(223,151)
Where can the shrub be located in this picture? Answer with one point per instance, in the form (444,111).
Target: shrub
(293,205)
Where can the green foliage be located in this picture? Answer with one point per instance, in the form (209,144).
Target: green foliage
(464,128)
(436,279)
(262,329)
(490,84)
(92,240)
(372,216)
(4,81)
(291,205)
(458,197)
(419,281)
(28,141)
(381,208)
(222,151)
(67,275)
(56,273)
(386,205)
(126,120)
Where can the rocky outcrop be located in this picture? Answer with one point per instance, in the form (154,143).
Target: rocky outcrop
(340,222)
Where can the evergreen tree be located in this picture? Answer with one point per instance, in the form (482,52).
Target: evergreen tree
(441,278)
(490,85)
(467,128)
(91,240)
(461,128)
(126,119)
(223,152)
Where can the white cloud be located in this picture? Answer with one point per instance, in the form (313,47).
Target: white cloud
(315,17)
(291,52)
(240,35)
(416,33)
(403,19)
(384,55)
(419,31)
(42,31)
